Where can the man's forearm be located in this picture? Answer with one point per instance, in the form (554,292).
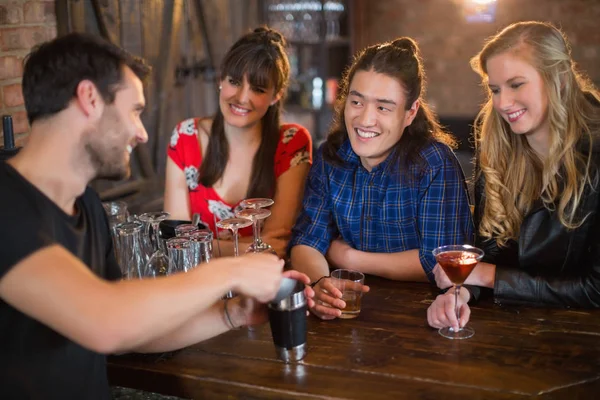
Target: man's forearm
(147,310)
(401,266)
(309,261)
(110,317)
(209,323)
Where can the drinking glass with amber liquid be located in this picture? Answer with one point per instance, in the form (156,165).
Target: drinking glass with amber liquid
(457,261)
(350,283)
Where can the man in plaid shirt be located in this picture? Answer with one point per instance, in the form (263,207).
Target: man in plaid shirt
(385,189)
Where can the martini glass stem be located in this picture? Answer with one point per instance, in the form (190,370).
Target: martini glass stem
(236,251)
(456,290)
(256,231)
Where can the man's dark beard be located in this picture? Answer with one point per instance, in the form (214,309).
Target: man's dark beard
(104,169)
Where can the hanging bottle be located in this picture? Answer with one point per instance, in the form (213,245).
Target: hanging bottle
(9,148)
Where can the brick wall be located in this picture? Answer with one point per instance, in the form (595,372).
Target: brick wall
(23,23)
(448,42)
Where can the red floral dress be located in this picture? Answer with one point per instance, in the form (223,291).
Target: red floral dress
(294,148)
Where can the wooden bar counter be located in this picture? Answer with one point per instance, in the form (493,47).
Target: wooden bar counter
(389,352)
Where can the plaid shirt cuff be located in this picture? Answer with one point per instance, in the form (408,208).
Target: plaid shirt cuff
(319,244)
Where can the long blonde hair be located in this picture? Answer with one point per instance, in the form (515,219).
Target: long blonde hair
(515,176)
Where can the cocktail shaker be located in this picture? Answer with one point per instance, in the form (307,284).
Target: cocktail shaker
(287,318)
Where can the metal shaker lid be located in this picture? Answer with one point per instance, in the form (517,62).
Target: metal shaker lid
(293,301)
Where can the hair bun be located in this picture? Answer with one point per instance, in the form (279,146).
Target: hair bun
(406,43)
(270,34)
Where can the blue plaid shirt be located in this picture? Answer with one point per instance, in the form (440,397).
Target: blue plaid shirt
(382,211)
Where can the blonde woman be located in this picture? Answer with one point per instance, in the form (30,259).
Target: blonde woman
(537,182)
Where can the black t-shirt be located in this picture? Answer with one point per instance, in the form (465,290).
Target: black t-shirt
(36,362)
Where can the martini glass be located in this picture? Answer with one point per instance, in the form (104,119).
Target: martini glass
(257,202)
(234,224)
(457,261)
(256,215)
(258,246)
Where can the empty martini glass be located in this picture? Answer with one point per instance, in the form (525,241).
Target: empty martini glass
(255,203)
(256,215)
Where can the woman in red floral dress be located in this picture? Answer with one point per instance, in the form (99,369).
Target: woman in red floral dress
(243,151)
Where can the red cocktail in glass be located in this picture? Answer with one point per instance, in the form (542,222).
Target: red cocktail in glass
(457,261)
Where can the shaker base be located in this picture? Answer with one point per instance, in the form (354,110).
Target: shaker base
(294,354)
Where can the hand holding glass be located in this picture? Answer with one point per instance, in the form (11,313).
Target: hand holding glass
(350,283)
(457,261)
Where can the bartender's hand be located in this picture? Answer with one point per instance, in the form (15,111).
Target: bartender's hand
(442,313)
(246,311)
(328,299)
(256,275)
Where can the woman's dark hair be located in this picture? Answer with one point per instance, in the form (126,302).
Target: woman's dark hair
(260,57)
(401,60)
(54,69)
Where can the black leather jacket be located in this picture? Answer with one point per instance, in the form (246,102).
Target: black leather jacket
(548,265)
